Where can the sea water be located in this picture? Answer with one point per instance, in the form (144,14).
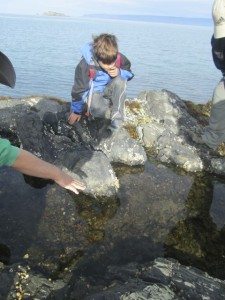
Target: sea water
(164,55)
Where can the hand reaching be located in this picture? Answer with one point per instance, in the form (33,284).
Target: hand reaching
(69,183)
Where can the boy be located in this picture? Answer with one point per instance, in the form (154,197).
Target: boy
(100,82)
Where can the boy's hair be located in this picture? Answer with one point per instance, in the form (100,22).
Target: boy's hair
(105,48)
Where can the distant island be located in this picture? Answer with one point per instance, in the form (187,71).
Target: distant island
(155,19)
(54,14)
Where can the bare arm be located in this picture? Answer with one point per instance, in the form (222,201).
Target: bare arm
(29,164)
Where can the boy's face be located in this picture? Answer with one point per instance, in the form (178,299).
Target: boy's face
(107,67)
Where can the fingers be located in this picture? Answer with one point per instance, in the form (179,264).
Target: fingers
(114,72)
(79,185)
(73,118)
(76,185)
(72,189)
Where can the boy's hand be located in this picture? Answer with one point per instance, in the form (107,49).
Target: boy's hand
(113,72)
(73,118)
(111,69)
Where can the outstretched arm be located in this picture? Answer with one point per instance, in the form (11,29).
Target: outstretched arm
(30,164)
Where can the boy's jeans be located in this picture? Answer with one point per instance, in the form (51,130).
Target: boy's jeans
(111,103)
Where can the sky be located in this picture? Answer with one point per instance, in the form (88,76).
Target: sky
(178,8)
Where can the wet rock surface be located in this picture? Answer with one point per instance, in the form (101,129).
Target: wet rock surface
(107,242)
(160,279)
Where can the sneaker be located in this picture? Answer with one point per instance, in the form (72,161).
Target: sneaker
(115,125)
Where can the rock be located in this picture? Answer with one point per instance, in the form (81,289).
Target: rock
(98,174)
(218,166)
(93,245)
(40,126)
(171,149)
(164,124)
(139,212)
(19,282)
(163,279)
(121,148)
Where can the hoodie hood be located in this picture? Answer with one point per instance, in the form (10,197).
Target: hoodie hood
(87,52)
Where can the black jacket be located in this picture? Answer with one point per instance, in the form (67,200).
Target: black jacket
(218,53)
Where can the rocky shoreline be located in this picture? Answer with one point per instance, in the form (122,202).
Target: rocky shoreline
(158,124)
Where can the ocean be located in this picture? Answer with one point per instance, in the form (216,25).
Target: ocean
(165,53)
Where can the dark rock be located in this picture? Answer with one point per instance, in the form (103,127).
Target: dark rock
(95,245)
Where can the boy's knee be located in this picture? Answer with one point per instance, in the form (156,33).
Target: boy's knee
(119,81)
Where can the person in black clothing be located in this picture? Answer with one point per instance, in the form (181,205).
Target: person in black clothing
(214,134)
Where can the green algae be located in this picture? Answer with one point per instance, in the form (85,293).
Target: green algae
(200,112)
(96,212)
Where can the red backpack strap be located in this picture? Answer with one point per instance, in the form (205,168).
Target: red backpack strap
(91,72)
(118,60)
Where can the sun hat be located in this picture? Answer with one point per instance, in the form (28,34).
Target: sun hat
(7,72)
(218,14)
